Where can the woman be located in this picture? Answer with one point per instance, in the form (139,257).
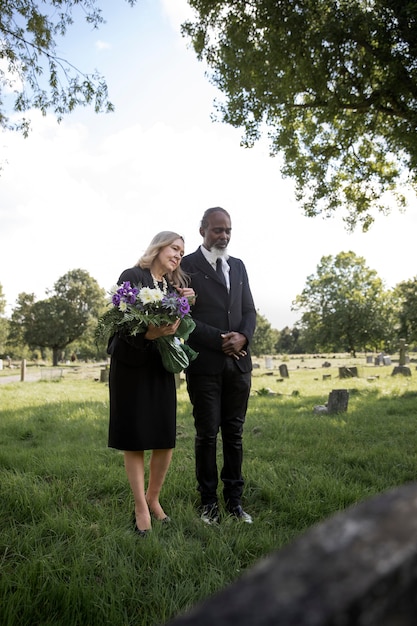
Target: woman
(143,399)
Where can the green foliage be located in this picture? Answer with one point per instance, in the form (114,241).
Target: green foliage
(67,315)
(406,293)
(21,313)
(264,338)
(290,341)
(2,301)
(344,306)
(4,324)
(33,71)
(333,83)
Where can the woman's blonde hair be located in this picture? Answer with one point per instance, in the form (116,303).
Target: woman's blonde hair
(161,240)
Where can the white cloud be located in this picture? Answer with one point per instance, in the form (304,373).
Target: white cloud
(91,192)
(177,11)
(103,45)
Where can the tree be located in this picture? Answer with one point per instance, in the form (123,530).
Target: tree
(21,316)
(289,341)
(406,293)
(3,322)
(31,68)
(264,337)
(335,84)
(344,306)
(71,310)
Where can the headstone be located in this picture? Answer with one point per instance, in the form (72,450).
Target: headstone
(104,375)
(359,567)
(268,362)
(283,370)
(348,372)
(403,351)
(402,367)
(338,401)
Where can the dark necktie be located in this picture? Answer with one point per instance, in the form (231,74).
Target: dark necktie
(219,270)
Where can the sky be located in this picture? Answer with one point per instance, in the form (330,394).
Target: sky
(91,192)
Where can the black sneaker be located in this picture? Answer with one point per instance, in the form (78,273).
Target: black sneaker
(210,513)
(241,515)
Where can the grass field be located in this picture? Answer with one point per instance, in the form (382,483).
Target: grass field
(67,551)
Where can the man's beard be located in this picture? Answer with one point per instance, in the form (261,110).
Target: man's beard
(219,253)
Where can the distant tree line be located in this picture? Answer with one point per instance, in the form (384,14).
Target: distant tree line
(344,307)
(60,327)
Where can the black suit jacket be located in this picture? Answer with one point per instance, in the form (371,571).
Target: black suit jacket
(218,311)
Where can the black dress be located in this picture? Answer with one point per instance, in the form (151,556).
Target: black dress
(143,400)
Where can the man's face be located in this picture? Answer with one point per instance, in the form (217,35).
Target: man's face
(216,235)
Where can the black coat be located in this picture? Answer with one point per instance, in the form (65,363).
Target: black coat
(143,398)
(216,311)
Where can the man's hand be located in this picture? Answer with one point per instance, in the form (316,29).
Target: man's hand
(233,344)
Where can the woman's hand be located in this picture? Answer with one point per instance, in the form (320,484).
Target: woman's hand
(187,292)
(153,332)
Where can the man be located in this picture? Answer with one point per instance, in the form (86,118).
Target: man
(219,379)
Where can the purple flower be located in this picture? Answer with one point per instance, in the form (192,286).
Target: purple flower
(184,306)
(130,297)
(126,293)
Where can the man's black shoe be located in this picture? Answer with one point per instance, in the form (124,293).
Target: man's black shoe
(241,515)
(210,514)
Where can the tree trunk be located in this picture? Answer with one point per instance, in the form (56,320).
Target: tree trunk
(55,356)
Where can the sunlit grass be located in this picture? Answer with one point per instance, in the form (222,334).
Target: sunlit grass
(67,551)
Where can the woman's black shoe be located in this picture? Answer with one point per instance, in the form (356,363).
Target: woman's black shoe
(141,533)
(138,531)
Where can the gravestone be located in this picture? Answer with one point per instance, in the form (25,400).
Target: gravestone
(402,368)
(104,374)
(379,360)
(338,401)
(283,370)
(357,568)
(403,351)
(348,372)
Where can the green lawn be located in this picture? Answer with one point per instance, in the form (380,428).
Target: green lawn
(67,551)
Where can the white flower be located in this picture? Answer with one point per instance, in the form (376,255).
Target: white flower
(150,296)
(123,306)
(157,295)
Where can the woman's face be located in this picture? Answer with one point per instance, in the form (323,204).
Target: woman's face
(170,257)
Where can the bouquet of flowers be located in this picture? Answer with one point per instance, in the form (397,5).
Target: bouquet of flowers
(132,309)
